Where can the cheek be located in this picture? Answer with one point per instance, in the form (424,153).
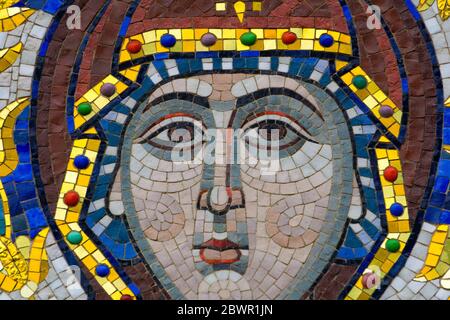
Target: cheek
(161,216)
(292,223)
(292,204)
(162,194)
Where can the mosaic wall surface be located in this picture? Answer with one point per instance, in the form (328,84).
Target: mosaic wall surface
(98,98)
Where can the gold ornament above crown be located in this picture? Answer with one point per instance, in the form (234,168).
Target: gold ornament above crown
(240,7)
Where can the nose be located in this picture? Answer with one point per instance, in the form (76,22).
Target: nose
(219,200)
(221,189)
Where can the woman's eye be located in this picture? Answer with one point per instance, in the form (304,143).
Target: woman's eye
(276,131)
(178,133)
(272,131)
(174,134)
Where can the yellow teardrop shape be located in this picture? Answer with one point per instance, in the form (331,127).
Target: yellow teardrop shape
(9,55)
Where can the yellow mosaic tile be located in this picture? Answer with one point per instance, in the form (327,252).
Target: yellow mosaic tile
(11,18)
(437,262)
(375,98)
(9,55)
(221,6)
(381,264)
(6,212)
(7,247)
(67,218)
(19,269)
(7,3)
(7,284)
(38,263)
(240,8)
(8,153)
(188,40)
(398,227)
(394,192)
(97,100)
(131,73)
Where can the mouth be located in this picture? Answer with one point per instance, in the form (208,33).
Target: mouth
(220,252)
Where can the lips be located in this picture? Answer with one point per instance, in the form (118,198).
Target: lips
(220,252)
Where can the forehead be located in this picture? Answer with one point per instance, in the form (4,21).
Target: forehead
(229,87)
(216,86)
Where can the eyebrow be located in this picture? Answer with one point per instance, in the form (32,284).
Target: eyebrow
(241,102)
(185,96)
(267,92)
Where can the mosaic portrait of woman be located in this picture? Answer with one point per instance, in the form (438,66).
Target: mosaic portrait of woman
(226,150)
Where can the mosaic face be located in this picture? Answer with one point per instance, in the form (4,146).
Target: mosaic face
(227,150)
(224,226)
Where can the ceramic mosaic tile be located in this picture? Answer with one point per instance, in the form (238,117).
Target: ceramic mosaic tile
(232,150)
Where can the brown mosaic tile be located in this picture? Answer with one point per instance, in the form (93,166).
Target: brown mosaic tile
(94,121)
